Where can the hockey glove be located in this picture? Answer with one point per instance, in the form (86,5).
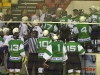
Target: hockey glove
(64,63)
(45,64)
(24,59)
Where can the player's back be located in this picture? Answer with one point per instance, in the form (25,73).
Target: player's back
(84,31)
(49,27)
(43,42)
(57,48)
(15,48)
(57,51)
(72,46)
(72,51)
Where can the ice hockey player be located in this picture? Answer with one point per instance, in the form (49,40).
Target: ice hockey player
(2,24)
(74,49)
(83,32)
(6,32)
(36,24)
(55,56)
(30,45)
(51,27)
(1,53)
(23,27)
(42,43)
(17,53)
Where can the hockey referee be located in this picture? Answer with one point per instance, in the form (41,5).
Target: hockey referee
(32,49)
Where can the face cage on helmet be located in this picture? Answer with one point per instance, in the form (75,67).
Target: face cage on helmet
(16,35)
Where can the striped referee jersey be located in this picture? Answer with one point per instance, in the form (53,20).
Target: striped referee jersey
(32,45)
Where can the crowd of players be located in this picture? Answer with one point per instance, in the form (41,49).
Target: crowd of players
(51,46)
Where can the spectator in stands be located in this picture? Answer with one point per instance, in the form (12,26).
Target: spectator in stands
(36,15)
(58,14)
(44,9)
(42,17)
(9,18)
(23,13)
(2,24)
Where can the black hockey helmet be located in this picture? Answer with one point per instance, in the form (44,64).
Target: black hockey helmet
(54,19)
(64,13)
(72,37)
(81,12)
(48,18)
(75,11)
(70,16)
(34,34)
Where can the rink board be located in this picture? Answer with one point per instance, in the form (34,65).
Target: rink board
(91,68)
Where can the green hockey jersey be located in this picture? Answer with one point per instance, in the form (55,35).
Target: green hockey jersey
(83,31)
(51,27)
(42,43)
(73,46)
(1,41)
(56,52)
(63,19)
(16,49)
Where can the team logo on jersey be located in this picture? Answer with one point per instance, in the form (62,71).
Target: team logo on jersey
(59,52)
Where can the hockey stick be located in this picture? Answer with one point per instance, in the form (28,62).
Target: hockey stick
(5,65)
(26,69)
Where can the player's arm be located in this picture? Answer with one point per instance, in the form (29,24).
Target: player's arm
(26,45)
(65,53)
(75,30)
(3,48)
(90,29)
(65,57)
(55,28)
(81,50)
(22,53)
(5,45)
(47,55)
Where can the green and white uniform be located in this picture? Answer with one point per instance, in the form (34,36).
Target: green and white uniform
(1,41)
(56,52)
(16,49)
(74,49)
(87,17)
(1,53)
(73,46)
(65,19)
(51,27)
(83,31)
(42,43)
(76,19)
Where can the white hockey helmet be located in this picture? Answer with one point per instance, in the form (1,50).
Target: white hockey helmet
(1,29)
(35,22)
(1,14)
(24,19)
(97,8)
(15,30)
(92,7)
(55,37)
(82,18)
(45,32)
(5,30)
(59,9)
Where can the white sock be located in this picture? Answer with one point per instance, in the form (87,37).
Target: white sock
(0,68)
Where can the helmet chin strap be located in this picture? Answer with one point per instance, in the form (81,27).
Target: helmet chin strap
(16,36)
